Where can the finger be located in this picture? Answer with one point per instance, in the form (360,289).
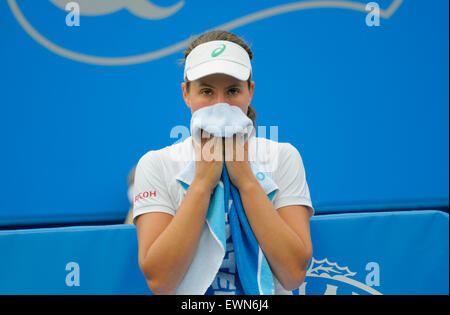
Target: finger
(228,147)
(218,148)
(240,152)
(212,149)
(205,136)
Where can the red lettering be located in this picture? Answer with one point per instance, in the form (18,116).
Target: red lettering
(144,195)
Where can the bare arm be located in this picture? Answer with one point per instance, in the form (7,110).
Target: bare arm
(167,244)
(283,235)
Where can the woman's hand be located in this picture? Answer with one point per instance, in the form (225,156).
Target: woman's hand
(209,161)
(237,163)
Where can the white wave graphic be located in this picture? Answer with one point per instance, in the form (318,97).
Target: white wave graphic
(324,268)
(329,270)
(121,61)
(141,8)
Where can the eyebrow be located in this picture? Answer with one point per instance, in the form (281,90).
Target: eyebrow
(210,86)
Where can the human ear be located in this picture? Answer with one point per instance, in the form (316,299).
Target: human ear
(185,94)
(252,88)
(250,93)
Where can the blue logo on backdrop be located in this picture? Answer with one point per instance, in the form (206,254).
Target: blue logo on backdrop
(113,39)
(327,278)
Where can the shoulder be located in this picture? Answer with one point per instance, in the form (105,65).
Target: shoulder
(288,172)
(175,152)
(282,147)
(272,156)
(170,158)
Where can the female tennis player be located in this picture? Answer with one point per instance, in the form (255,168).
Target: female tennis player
(176,253)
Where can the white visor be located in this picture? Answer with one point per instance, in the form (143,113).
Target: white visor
(218,57)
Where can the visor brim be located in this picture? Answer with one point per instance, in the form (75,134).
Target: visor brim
(230,68)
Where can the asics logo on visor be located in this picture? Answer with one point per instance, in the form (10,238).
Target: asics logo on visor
(216,52)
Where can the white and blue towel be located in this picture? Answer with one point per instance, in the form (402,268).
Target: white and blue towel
(221,120)
(253,270)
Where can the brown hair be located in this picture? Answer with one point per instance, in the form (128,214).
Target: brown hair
(222,35)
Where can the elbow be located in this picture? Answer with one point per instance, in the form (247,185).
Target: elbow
(299,278)
(298,273)
(295,280)
(157,285)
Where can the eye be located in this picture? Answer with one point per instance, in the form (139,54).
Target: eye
(234,91)
(207,92)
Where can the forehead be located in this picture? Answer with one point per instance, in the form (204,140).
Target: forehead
(217,80)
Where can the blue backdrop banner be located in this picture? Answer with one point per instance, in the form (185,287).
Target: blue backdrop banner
(385,253)
(361,92)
